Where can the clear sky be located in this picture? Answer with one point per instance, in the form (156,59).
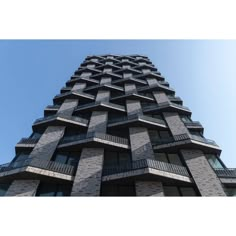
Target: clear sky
(201,71)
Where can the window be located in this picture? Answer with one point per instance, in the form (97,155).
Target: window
(4,188)
(196,133)
(186,119)
(179,191)
(171,191)
(35,135)
(69,158)
(20,159)
(187,191)
(156,136)
(118,190)
(214,161)
(51,189)
(172,158)
(117,159)
(231,192)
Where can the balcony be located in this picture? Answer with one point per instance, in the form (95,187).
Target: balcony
(176,100)
(133,95)
(158,87)
(167,106)
(76,79)
(94,139)
(59,119)
(227,176)
(131,79)
(186,141)
(73,94)
(38,163)
(109,86)
(66,89)
(151,75)
(101,106)
(51,110)
(107,74)
(193,125)
(137,119)
(226,172)
(26,143)
(147,169)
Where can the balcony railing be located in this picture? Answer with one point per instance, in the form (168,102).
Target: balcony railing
(56,107)
(39,163)
(133,79)
(134,117)
(73,118)
(164,105)
(79,92)
(106,85)
(203,140)
(182,137)
(28,141)
(103,136)
(146,163)
(88,105)
(192,123)
(226,172)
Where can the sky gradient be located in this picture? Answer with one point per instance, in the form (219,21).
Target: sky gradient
(202,72)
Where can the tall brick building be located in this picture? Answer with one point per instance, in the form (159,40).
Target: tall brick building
(117,129)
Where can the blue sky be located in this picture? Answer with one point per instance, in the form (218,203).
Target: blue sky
(202,72)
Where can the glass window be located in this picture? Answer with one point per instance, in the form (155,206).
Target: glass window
(22,157)
(196,133)
(164,134)
(73,158)
(61,158)
(110,159)
(213,160)
(50,189)
(186,119)
(174,159)
(171,191)
(124,158)
(47,190)
(154,136)
(161,157)
(231,192)
(188,191)
(35,135)
(3,189)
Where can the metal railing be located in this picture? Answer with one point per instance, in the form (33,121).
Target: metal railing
(182,137)
(79,92)
(73,118)
(146,163)
(39,163)
(107,137)
(175,99)
(106,85)
(56,107)
(203,140)
(192,123)
(136,116)
(225,172)
(133,79)
(88,105)
(28,141)
(66,88)
(163,105)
